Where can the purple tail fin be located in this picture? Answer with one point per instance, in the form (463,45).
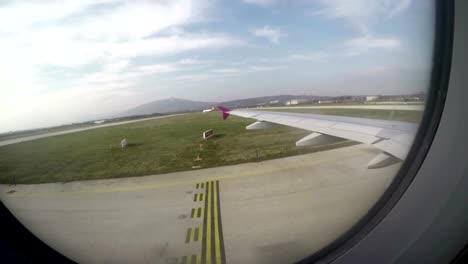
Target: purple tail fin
(225,112)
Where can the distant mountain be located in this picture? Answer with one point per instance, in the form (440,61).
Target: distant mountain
(170,105)
(174,105)
(272,100)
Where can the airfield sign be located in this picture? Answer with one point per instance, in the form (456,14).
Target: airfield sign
(207,134)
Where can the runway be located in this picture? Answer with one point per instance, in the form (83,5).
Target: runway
(275,211)
(74,130)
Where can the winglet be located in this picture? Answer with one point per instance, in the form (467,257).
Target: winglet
(225,112)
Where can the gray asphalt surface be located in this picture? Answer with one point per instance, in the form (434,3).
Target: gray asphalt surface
(276,211)
(29,138)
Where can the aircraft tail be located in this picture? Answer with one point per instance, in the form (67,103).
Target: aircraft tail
(225,112)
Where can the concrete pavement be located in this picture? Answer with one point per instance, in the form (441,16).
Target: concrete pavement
(74,130)
(275,211)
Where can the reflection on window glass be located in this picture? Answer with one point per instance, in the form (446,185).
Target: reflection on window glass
(252,131)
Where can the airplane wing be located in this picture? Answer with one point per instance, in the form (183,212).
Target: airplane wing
(394,138)
(209,110)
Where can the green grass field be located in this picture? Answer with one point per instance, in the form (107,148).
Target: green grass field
(158,146)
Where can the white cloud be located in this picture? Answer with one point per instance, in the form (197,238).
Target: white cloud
(399,7)
(264,68)
(157,68)
(362,14)
(221,73)
(117,66)
(163,46)
(248,69)
(119,72)
(227,70)
(98,93)
(311,56)
(19,16)
(368,42)
(127,20)
(262,3)
(191,61)
(197,77)
(272,34)
(121,33)
(68,35)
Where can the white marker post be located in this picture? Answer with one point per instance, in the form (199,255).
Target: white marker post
(124,143)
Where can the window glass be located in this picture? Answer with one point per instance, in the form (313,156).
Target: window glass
(252,131)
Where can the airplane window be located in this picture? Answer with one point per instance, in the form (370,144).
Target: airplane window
(250,131)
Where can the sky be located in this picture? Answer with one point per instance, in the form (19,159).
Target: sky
(71,61)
